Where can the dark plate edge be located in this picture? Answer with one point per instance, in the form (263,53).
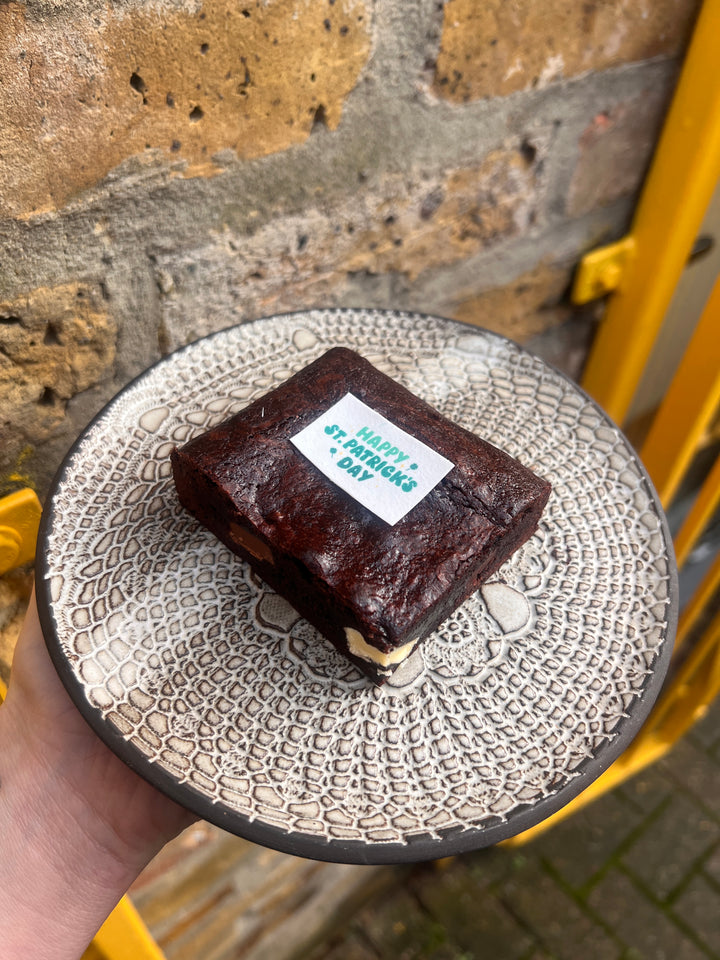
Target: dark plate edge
(419,848)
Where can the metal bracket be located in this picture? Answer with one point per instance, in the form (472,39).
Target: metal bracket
(601,271)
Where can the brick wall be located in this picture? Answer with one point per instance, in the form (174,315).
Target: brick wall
(170,167)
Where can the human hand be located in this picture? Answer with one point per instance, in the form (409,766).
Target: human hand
(78,825)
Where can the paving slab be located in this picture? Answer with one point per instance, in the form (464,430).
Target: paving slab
(490,867)
(558,921)
(695,770)
(692,909)
(670,846)
(349,946)
(640,923)
(706,732)
(579,848)
(479,922)
(647,790)
(711,867)
(398,927)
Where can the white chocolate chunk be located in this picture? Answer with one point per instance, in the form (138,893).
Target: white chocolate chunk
(252,543)
(359,648)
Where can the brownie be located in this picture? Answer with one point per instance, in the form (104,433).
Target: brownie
(373,588)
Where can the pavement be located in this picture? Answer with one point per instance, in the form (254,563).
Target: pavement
(634,876)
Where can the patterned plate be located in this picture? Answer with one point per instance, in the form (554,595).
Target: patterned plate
(211,687)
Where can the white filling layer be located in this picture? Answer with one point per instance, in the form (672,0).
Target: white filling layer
(358,648)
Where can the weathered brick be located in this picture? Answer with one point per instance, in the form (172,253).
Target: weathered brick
(566,346)
(55,343)
(533,303)
(614,151)
(494,48)
(433,225)
(404,226)
(176,85)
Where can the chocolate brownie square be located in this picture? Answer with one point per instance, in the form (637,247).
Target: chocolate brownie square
(374,579)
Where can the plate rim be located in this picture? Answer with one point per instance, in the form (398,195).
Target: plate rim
(418,847)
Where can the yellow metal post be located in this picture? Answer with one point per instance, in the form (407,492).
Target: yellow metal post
(124,936)
(19,522)
(699,602)
(643,269)
(688,407)
(681,181)
(698,679)
(704,507)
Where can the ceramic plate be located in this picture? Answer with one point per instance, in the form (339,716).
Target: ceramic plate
(210,686)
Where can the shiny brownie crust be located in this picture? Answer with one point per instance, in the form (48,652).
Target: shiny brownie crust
(338,564)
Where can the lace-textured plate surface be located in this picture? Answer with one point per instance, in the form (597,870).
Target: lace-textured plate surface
(213,688)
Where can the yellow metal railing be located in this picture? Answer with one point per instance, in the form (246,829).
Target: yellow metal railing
(643,269)
(123,936)
(705,505)
(696,682)
(689,406)
(645,266)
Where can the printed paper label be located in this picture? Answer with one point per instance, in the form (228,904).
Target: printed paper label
(367,456)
